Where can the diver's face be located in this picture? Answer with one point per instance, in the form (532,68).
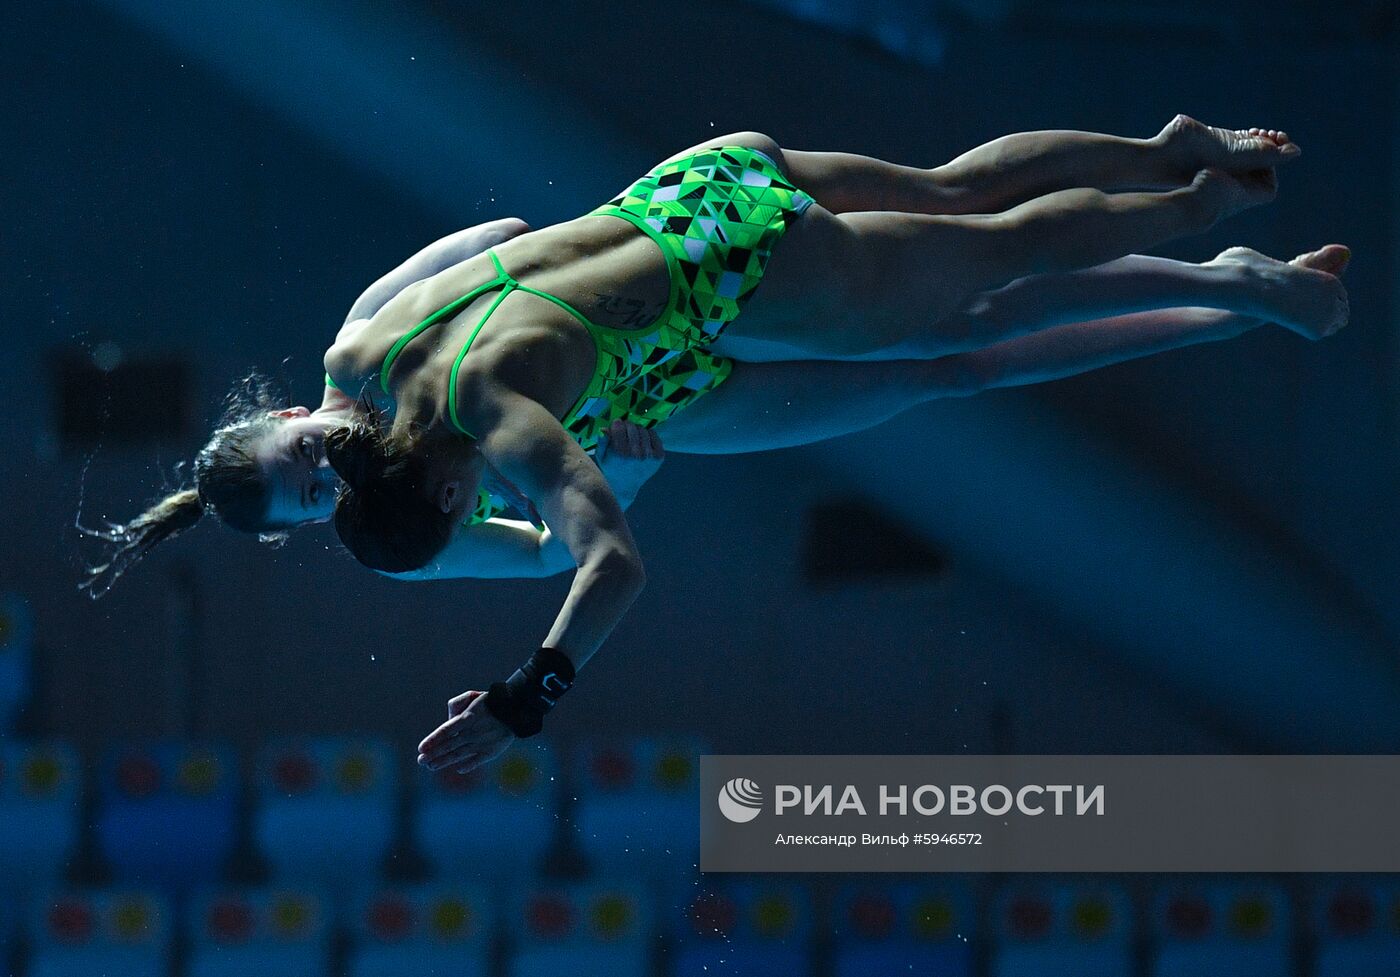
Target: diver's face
(293,454)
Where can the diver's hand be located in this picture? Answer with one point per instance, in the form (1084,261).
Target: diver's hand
(470,737)
(628,455)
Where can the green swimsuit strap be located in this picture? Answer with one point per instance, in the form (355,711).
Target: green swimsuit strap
(507,287)
(507,284)
(502,281)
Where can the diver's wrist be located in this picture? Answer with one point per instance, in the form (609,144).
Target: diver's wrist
(523,700)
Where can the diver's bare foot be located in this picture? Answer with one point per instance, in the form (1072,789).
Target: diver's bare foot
(1195,145)
(1223,194)
(1277,135)
(1304,295)
(1331,258)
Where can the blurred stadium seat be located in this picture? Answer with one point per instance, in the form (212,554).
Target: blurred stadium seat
(743,927)
(40,790)
(597,929)
(1357,925)
(423,932)
(168,812)
(637,810)
(317,799)
(115,934)
(495,822)
(1203,929)
(239,933)
(1067,929)
(919,927)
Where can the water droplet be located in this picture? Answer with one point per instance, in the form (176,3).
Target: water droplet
(107,356)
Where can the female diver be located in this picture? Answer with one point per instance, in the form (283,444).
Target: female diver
(892,286)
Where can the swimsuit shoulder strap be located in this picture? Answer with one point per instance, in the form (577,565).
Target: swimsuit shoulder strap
(507,283)
(502,281)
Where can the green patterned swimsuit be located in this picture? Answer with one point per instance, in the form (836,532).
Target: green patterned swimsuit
(716,215)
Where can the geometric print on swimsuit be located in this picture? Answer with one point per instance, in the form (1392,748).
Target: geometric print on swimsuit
(717,214)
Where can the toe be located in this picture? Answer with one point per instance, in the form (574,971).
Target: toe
(1331,259)
(1260,150)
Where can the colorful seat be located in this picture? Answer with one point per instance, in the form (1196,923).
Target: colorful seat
(1203,929)
(596,929)
(508,810)
(1357,925)
(168,812)
(422,931)
(236,933)
(925,927)
(637,809)
(1062,929)
(119,933)
(325,810)
(40,789)
(742,927)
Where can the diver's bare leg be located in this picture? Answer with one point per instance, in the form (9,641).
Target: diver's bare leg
(1302,295)
(767,405)
(781,404)
(850,286)
(1013,169)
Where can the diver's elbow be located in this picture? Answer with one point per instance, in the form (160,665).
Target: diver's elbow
(621,567)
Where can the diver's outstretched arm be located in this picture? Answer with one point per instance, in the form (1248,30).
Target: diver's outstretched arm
(438,256)
(524,442)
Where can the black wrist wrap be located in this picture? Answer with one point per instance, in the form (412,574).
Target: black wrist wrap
(522,700)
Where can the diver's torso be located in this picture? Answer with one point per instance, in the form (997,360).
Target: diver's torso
(602,266)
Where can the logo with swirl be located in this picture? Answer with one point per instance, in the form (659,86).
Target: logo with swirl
(740,800)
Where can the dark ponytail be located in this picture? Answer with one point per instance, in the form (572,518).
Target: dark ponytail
(227,481)
(384,514)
